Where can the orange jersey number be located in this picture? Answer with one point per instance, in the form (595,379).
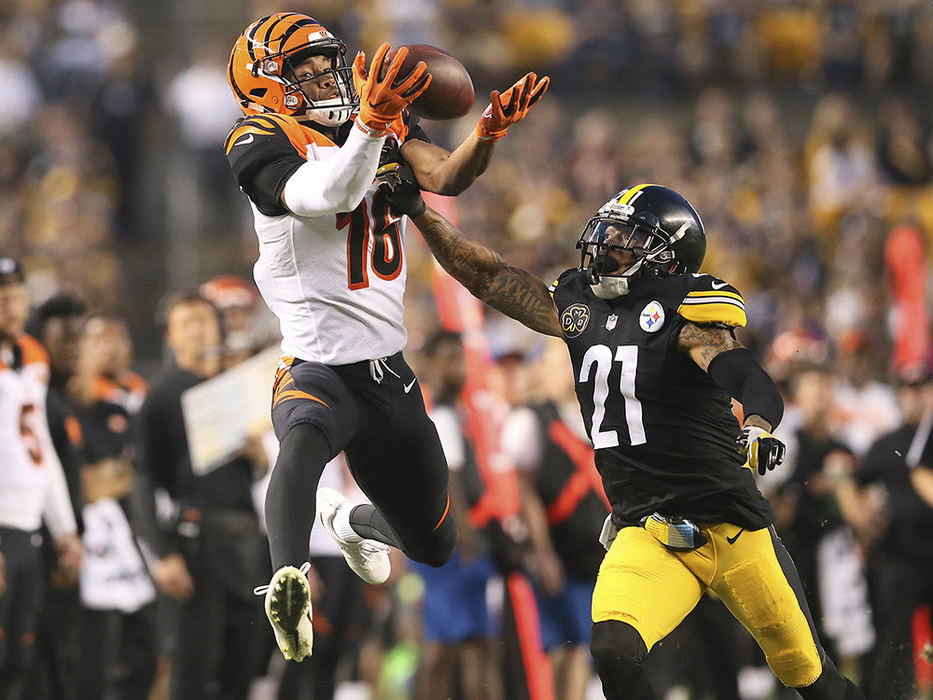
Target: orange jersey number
(30,439)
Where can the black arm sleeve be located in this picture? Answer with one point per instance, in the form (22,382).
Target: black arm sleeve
(738,372)
(265,187)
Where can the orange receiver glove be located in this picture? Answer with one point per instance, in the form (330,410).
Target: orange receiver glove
(382,95)
(510,107)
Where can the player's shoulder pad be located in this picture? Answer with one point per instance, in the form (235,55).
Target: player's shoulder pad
(261,129)
(711,300)
(561,279)
(33,351)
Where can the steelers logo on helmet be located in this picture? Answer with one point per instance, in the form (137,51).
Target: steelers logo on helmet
(644,229)
(651,317)
(574,320)
(261,70)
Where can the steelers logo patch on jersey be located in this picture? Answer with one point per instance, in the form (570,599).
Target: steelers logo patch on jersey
(574,320)
(651,317)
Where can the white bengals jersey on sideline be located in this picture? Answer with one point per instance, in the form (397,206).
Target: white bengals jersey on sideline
(32,483)
(336,282)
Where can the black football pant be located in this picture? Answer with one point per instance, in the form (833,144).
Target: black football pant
(218,641)
(117,654)
(19,608)
(374,412)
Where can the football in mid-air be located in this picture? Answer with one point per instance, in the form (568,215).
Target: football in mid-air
(450,94)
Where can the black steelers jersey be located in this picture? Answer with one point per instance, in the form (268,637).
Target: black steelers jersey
(663,431)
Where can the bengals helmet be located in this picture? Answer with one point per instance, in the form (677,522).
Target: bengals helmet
(261,69)
(225,291)
(656,224)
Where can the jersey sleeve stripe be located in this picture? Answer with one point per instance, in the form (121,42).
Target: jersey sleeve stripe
(716,293)
(242,130)
(718,299)
(723,312)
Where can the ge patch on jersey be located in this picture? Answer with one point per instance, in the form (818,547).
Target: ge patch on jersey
(574,320)
(651,318)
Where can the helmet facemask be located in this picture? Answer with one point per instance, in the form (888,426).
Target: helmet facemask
(647,245)
(331,112)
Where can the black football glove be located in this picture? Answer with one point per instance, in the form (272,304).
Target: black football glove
(763,451)
(398,183)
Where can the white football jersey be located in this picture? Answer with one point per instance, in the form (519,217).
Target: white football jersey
(336,281)
(32,484)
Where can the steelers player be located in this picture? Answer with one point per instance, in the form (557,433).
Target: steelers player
(656,363)
(332,268)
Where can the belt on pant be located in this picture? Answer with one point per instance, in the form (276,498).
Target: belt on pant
(676,533)
(222,521)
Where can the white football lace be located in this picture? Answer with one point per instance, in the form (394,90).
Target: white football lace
(261,590)
(371,549)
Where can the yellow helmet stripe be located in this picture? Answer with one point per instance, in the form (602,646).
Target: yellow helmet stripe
(632,191)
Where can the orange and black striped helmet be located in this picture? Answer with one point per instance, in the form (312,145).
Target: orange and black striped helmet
(261,72)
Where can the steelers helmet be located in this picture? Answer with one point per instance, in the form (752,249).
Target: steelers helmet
(655,223)
(261,69)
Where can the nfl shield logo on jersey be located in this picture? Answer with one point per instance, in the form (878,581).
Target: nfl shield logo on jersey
(652,317)
(611,322)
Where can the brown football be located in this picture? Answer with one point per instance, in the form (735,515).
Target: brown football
(450,94)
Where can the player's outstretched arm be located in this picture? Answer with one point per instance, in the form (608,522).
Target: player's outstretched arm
(733,367)
(443,172)
(515,292)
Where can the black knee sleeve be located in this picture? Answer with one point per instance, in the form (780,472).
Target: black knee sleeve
(619,656)
(831,685)
(436,548)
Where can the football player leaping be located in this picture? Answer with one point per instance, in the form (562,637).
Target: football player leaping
(332,268)
(656,363)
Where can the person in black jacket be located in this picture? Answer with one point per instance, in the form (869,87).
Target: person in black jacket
(879,502)
(213,554)
(57,323)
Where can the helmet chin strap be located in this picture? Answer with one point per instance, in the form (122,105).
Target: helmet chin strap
(611,287)
(329,116)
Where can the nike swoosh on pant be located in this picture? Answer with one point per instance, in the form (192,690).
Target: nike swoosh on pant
(731,540)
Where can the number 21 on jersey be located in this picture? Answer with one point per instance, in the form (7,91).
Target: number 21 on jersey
(596,366)
(372,220)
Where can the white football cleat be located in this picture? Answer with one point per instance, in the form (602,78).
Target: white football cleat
(369,559)
(288,607)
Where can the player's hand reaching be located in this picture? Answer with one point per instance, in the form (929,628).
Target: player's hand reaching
(763,451)
(383,94)
(397,181)
(511,106)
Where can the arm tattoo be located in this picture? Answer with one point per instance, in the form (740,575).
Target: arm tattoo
(703,342)
(511,290)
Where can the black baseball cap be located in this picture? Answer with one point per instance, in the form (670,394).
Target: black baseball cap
(11,271)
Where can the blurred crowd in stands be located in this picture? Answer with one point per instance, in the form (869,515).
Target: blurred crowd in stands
(799,129)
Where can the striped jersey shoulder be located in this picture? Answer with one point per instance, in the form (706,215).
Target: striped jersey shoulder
(711,300)
(261,128)
(562,279)
(33,351)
